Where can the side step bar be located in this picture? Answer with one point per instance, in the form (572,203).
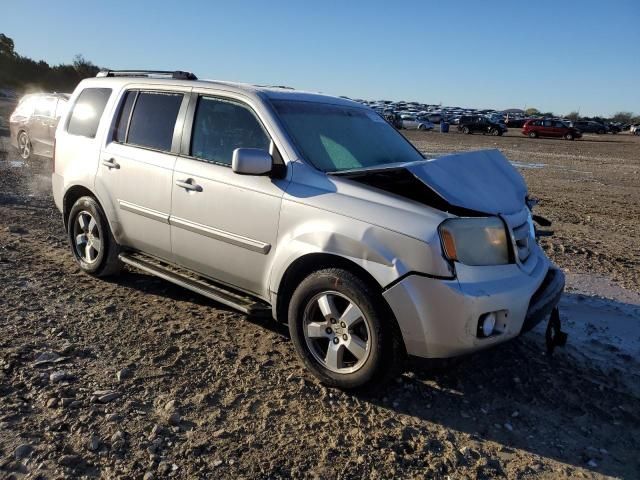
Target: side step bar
(195,283)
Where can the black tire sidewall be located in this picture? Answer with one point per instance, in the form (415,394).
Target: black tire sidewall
(368,301)
(533,135)
(90,205)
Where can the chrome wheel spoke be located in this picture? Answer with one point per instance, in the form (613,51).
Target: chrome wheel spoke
(356,346)
(93,227)
(317,330)
(83,222)
(328,307)
(96,243)
(333,358)
(351,316)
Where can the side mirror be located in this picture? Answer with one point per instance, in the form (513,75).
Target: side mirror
(251,161)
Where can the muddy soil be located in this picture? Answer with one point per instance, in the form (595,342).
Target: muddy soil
(134,377)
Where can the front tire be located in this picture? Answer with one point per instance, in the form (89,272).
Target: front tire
(569,136)
(533,134)
(92,243)
(343,330)
(466,130)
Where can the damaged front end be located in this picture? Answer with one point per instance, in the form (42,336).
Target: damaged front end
(503,278)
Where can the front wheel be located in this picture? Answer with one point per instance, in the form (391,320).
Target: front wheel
(533,135)
(92,242)
(343,330)
(495,132)
(569,136)
(466,130)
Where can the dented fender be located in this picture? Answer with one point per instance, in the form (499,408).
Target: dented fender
(387,255)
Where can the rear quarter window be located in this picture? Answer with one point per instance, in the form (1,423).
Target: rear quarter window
(87,111)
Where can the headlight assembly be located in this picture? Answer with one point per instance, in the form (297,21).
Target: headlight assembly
(475,241)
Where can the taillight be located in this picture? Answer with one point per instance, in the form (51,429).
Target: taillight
(54,155)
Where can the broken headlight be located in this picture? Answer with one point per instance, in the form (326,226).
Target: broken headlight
(475,241)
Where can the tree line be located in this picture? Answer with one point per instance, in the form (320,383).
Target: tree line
(23,73)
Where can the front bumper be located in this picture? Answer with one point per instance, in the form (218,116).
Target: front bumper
(439,318)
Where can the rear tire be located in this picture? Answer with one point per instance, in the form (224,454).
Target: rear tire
(422,128)
(533,134)
(92,243)
(343,330)
(466,130)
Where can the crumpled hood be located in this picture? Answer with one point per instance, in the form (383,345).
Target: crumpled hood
(484,181)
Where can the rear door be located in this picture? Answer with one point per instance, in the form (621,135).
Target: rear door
(136,166)
(548,129)
(40,126)
(224,225)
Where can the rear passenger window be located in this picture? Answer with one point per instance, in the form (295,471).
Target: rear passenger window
(120,133)
(87,111)
(221,126)
(154,119)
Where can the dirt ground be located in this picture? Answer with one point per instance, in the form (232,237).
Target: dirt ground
(134,377)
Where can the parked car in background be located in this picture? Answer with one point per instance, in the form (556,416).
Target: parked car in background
(548,127)
(612,128)
(480,124)
(516,122)
(635,129)
(589,126)
(306,208)
(33,123)
(410,122)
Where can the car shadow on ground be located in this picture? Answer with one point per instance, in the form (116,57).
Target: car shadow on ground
(515,395)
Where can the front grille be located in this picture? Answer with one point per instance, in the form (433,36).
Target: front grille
(520,230)
(522,238)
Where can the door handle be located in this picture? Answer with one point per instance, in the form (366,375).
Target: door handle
(189,185)
(111,163)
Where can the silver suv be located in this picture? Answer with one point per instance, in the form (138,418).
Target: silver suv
(305,207)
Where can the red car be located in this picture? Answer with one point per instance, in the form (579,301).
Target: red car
(550,128)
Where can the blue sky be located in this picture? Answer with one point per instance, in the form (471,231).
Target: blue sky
(552,55)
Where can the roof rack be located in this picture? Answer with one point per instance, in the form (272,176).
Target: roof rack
(176,74)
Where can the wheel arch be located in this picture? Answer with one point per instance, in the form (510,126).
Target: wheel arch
(306,264)
(72,194)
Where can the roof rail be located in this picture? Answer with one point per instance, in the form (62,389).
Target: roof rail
(176,74)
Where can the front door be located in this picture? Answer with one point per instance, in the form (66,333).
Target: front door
(224,225)
(136,169)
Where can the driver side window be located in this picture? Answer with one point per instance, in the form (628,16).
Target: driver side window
(220,126)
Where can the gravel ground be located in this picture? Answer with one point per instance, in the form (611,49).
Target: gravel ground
(137,378)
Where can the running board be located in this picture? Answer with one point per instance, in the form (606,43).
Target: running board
(197,284)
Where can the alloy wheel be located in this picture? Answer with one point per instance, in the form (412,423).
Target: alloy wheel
(88,243)
(336,332)
(24,146)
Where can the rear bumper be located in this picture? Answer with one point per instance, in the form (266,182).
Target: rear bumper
(439,318)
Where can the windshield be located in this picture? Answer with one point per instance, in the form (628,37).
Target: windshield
(335,137)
